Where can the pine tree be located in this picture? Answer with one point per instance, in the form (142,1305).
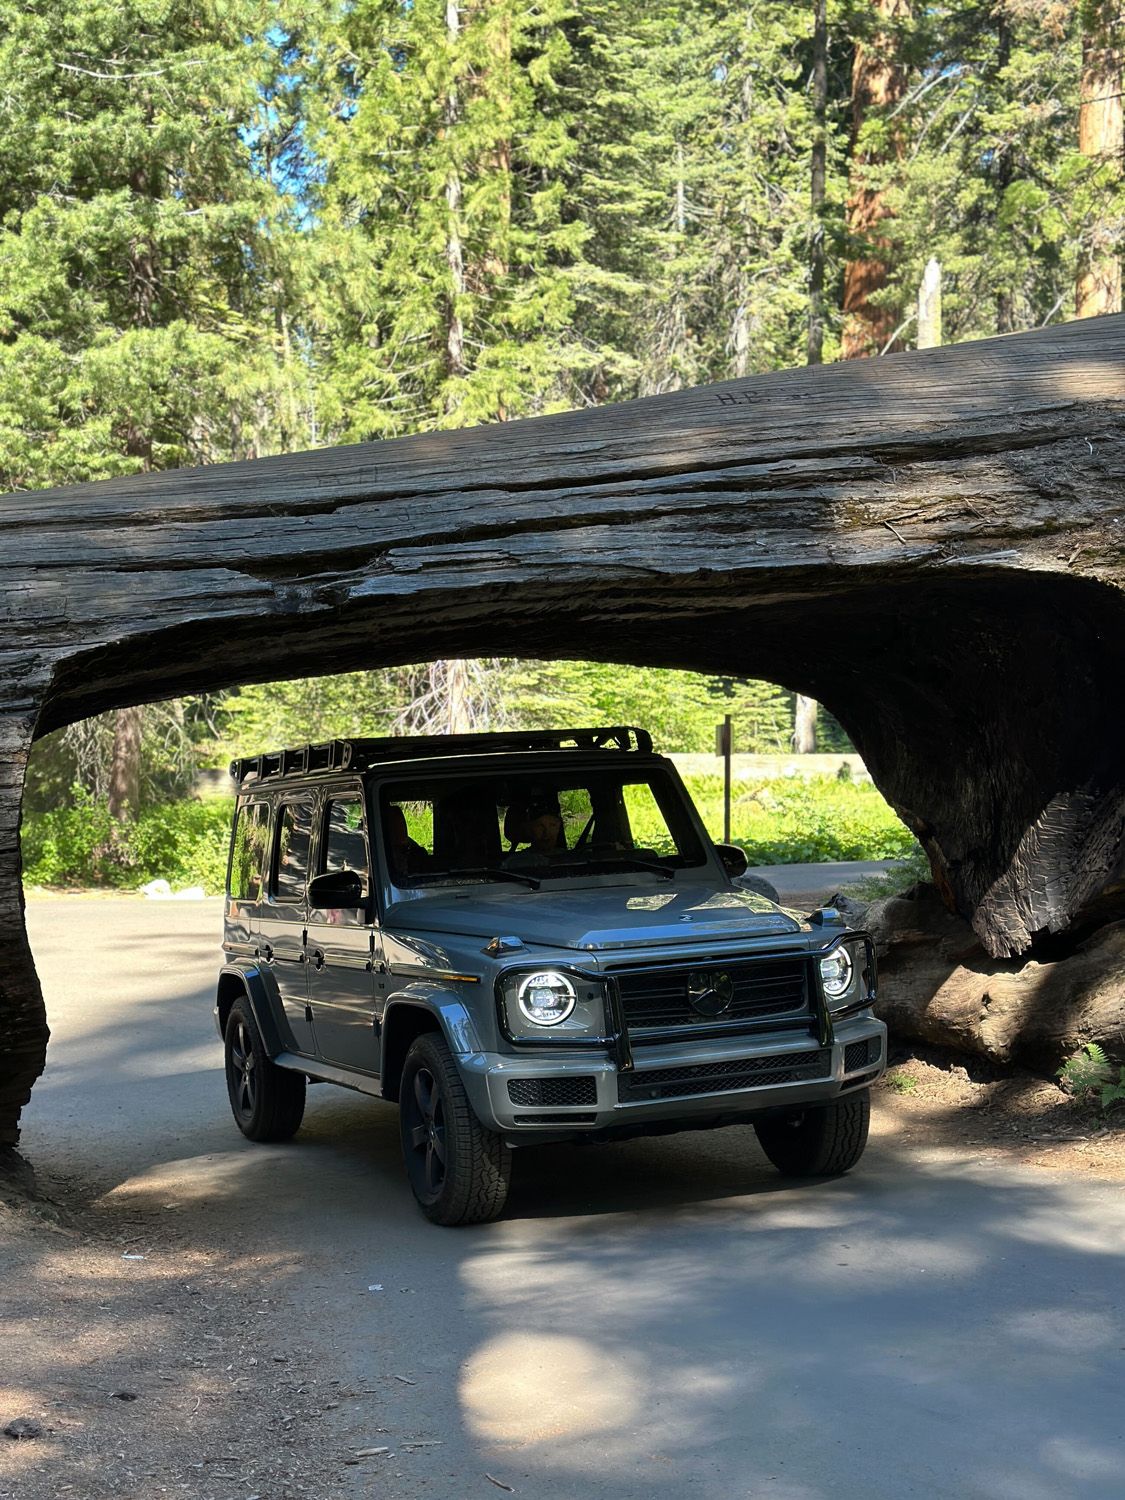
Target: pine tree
(444,251)
(141,247)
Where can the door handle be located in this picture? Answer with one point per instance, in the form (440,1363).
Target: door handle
(318,958)
(267,953)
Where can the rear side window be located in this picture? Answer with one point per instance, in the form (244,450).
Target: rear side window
(291,853)
(248,852)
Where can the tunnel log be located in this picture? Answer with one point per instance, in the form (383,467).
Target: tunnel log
(932,545)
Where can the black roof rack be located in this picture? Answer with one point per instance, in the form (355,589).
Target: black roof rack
(358,755)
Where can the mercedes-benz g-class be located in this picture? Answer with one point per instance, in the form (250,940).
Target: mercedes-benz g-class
(522,938)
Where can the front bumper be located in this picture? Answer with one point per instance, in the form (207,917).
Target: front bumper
(585,1093)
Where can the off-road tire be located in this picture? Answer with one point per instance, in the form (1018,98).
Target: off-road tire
(268,1102)
(820,1141)
(476,1169)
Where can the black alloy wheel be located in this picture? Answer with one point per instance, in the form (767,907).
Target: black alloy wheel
(458,1170)
(268,1102)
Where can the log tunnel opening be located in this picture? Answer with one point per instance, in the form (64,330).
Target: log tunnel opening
(986,702)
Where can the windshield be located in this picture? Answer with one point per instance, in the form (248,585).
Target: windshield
(526,828)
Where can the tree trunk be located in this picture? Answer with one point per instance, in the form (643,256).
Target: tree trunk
(23,1020)
(878,84)
(1100,139)
(937,985)
(929,306)
(818,177)
(455,331)
(804,725)
(933,546)
(125,766)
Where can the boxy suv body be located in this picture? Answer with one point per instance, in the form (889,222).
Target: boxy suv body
(523,938)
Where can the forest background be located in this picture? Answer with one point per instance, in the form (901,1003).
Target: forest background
(231,228)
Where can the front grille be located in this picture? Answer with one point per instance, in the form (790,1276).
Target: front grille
(764,989)
(720,1077)
(550,1093)
(859,1054)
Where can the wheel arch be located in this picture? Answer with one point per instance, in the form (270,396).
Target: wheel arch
(403,1023)
(235,984)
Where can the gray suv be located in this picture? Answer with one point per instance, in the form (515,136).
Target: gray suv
(523,938)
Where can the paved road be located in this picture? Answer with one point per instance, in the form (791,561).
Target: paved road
(655,1320)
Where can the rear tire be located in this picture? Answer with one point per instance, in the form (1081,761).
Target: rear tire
(268,1102)
(458,1170)
(821,1141)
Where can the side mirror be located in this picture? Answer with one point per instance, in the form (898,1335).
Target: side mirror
(733,859)
(338,888)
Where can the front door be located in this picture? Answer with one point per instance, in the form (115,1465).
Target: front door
(341,944)
(283,915)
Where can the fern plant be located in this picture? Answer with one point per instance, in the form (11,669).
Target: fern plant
(1090,1072)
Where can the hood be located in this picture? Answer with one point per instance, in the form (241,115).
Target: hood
(599,917)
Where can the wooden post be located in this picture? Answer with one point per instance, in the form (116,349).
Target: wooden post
(723,748)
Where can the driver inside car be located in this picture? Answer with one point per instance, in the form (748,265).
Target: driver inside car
(542,828)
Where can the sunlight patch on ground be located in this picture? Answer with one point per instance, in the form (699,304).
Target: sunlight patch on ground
(526,1388)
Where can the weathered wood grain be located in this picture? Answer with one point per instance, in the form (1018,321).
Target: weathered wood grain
(933,545)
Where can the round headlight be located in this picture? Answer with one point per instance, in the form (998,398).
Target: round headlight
(546,998)
(836,972)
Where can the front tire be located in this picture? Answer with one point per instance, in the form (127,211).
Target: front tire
(821,1141)
(458,1170)
(268,1102)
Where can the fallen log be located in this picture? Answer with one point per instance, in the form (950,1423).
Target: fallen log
(937,985)
(932,545)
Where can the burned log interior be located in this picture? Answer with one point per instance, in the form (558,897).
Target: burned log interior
(931,545)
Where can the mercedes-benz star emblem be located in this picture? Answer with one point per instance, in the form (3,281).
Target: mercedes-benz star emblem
(710,992)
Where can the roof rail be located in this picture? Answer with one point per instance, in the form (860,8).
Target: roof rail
(358,755)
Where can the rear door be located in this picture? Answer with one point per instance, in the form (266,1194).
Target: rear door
(283,914)
(341,941)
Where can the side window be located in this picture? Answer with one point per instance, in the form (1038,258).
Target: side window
(344,845)
(408,835)
(647,823)
(248,852)
(291,852)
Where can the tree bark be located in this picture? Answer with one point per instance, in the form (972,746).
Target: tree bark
(455,331)
(818,177)
(878,84)
(937,985)
(125,766)
(1100,138)
(931,545)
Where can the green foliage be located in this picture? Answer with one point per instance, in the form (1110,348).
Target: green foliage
(184,843)
(805,821)
(1089,1074)
(143,250)
(913,867)
(900,1083)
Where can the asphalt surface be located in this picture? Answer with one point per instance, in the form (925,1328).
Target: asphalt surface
(658,1319)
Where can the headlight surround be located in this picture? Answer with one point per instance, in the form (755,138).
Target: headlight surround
(551,1004)
(837,975)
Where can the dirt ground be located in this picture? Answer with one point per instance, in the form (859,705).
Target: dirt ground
(137,1365)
